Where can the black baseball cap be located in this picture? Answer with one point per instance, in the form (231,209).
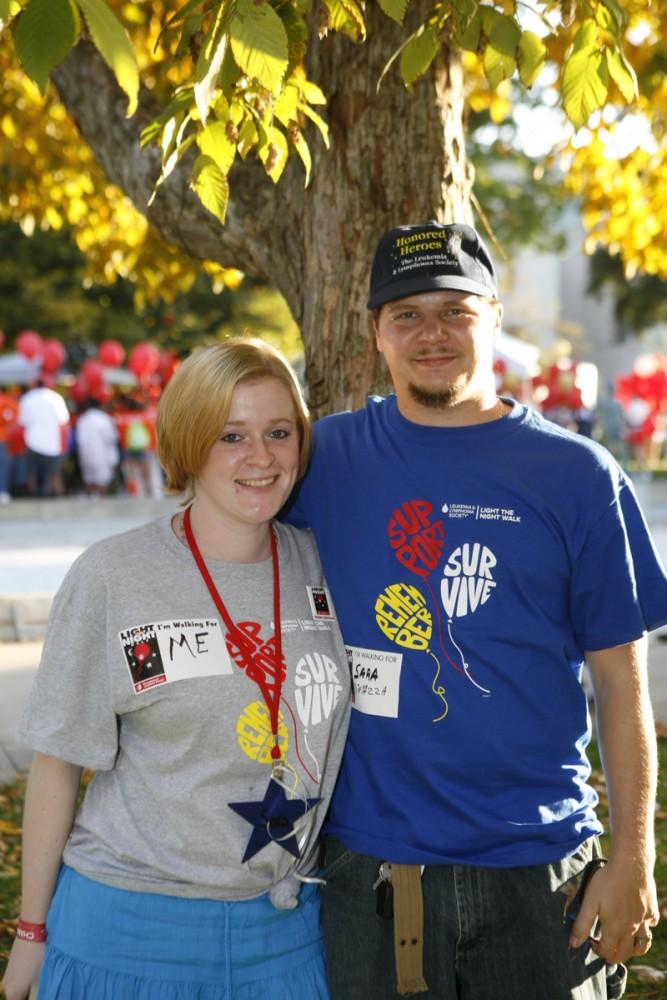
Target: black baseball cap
(429,258)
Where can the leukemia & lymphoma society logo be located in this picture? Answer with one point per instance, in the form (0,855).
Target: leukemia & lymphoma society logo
(479,512)
(467,581)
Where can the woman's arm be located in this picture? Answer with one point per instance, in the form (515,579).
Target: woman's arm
(50,804)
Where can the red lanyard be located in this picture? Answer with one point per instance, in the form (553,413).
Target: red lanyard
(271,695)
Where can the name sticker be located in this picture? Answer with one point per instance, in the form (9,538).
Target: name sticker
(162,652)
(376,677)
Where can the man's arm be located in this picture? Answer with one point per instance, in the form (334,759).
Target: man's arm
(622,894)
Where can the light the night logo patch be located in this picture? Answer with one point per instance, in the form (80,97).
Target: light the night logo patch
(163,652)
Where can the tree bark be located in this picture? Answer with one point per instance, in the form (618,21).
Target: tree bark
(395,157)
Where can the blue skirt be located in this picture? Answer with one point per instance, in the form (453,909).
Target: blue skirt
(112,944)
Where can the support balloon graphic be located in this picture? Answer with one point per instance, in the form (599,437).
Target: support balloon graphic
(418,540)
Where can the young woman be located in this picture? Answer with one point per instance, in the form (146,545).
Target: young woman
(195,665)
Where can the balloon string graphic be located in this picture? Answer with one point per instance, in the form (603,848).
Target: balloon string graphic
(296,742)
(312,755)
(437,618)
(438,689)
(464,661)
(465,668)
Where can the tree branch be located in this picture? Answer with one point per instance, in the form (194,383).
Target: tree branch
(97,105)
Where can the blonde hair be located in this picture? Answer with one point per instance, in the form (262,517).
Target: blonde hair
(197,399)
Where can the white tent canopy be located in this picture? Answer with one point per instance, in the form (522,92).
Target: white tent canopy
(521,358)
(16,369)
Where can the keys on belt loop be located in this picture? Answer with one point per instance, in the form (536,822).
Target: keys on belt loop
(384,892)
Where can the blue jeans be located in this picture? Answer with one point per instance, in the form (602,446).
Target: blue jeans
(489,933)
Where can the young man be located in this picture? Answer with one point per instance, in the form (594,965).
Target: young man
(477,556)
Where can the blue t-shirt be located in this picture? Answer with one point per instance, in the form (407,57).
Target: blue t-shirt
(471,567)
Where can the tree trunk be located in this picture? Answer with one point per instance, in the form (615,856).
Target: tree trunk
(395,158)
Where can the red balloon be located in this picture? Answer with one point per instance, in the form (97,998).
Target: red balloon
(92,374)
(168,364)
(144,359)
(78,391)
(111,353)
(29,343)
(53,355)
(104,393)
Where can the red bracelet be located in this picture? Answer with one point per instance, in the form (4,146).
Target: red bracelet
(30,932)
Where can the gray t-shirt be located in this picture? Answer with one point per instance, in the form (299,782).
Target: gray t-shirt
(137,683)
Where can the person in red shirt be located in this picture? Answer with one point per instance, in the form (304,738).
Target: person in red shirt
(8,419)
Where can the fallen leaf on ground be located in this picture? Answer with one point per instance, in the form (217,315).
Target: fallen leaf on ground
(647,974)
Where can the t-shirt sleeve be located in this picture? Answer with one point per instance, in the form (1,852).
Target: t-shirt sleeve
(619,585)
(70,714)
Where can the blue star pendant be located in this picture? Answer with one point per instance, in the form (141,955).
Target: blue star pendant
(273,819)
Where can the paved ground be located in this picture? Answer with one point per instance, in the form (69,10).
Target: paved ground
(39,541)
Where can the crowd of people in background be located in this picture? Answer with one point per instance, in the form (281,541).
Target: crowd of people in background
(628,416)
(92,439)
(51,446)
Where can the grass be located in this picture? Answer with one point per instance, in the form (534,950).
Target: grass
(11,806)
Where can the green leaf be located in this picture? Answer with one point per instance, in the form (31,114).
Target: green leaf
(321,124)
(502,31)
(181,15)
(347,18)
(468,32)
(114,46)
(45,33)
(301,147)
(181,102)
(259,43)
(497,66)
(275,159)
(213,142)
(209,61)
(356,16)
(247,137)
(531,56)
(170,163)
(500,52)
(585,84)
(206,76)
(611,16)
(7,10)
(418,54)
(285,108)
(189,29)
(295,26)
(170,133)
(395,9)
(312,92)
(236,111)
(586,37)
(210,185)
(622,74)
